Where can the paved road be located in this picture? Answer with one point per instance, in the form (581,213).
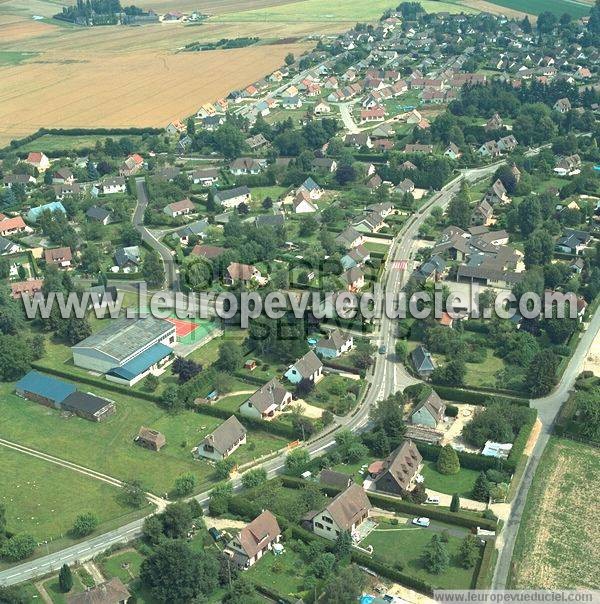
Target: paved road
(171,272)
(548,409)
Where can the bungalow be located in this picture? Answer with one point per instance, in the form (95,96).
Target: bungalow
(270,220)
(232,198)
(302,203)
(150,439)
(98,214)
(18,179)
(128,258)
(334,345)
(246,165)
(361,139)
(254,540)
(350,238)
(212,122)
(325,164)
(109,186)
(132,165)
(205,177)
(241,273)
(108,592)
(452,151)
(167,173)
(209,252)
(223,441)
(429,412)
(369,223)
(38,160)
(422,361)
(568,166)
(10,226)
(179,208)
(331,478)
(309,367)
(312,188)
(193,230)
(291,102)
(63,176)
(562,105)
(66,190)
(354,279)
(398,473)
(372,115)
(60,257)
(267,401)
(29,288)
(322,108)
(346,512)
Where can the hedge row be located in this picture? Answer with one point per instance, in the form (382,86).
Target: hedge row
(341,367)
(521,440)
(476,397)
(398,505)
(386,236)
(104,384)
(251,379)
(485,566)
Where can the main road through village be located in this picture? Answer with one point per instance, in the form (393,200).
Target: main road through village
(386,377)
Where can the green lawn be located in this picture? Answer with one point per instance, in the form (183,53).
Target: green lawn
(58,597)
(108,446)
(330,393)
(14,57)
(282,573)
(259,193)
(405,544)
(124,565)
(43,499)
(58,142)
(461,483)
(484,374)
(377,247)
(558,7)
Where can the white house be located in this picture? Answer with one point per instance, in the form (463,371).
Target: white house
(309,367)
(221,443)
(267,401)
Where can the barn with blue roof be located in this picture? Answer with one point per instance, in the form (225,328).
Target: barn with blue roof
(44,389)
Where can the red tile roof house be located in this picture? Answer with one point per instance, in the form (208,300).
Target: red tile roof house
(254,540)
(60,256)
(372,115)
(133,164)
(27,288)
(10,226)
(38,160)
(243,273)
(179,208)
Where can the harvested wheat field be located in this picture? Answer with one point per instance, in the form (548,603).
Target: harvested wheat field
(496,9)
(141,89)
(558,542)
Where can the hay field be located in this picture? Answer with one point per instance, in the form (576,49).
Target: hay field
(558,542)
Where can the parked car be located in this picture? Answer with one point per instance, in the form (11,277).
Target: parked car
(214,533)
(422,521)
(433,500)
(382,349)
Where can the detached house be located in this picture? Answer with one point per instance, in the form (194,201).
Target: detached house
(246,165)
(350,238)
(422,361)
(325,164)
(429,412)
(132,165)
(309,367)
(346,512)
(179,208)
(302,203)
(109,186)
(232,198)
(562,105)
(221,443)
(312,188)
(334,345)
(354,279)
(205,177)
(241,273)
(573,241)
(398,473)
(10,226)
(150,439)
(38,160)
(267,401)
(98,214)
(254,540)
(60,256)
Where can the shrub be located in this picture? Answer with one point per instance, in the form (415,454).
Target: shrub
(451,411)
(447,462)
(84,524)
(18,547)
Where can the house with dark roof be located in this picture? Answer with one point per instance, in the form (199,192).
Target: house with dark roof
(128,258)
(573,241)
(88,406)
(7,246)
(254,540)
(350,238)
(98,214)
(324,164)
(354,278)
(196,230)
(232,198)
(308,367)
(312,188)
(345,513)
(398,472)
(431,270)
(422,361)
(429,412)
(223,441)
(267,401)
(331,478)
(334,345)
(205,176)
(247,165)
(357,256)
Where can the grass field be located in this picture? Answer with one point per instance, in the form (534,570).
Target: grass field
(58,142)
(405,544)
(461,483)
(108,446)
(44,499)
(558,540)
(558,7)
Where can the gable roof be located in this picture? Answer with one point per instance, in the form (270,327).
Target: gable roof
(46,386)
(335,479)
(403,463)
(347,507)
(110,592)
(433,404)
(225,435)
(308,364)
(256,535)
(422,360)
(272,393)
(335,340)
(98,213)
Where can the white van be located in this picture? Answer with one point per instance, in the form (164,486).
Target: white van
(433,500)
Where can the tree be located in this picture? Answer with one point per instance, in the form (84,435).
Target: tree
(451,374)
(344,586)
(401,350)
(435,556)
(447,462)
(297,461)
(65,578)
(74,330)
(229,140)
(254,478)
(539,248)
(289,58)
(151,382)
(388,416)
(308,225)
(153,530)
(132,493)
(152,269)
(184,485)
(230,356)
(175,573)
(468,552)
(481,488)
(455,503)
(224,467)
(530,215)
(84,524)
(541,373)
(18,548)
(177,520)
(242,591)
(15,357)
(459,209)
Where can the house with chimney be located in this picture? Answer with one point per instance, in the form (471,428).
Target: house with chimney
(38,160)
(254,540)
(429,412)
(241,273)
(308,367)
(268,401)
(398,473)
(334,345)
(60,257)
(223,442)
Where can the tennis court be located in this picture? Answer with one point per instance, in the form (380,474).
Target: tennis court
(192,331)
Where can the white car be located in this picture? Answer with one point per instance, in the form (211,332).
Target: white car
(433,500)
(423,521)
